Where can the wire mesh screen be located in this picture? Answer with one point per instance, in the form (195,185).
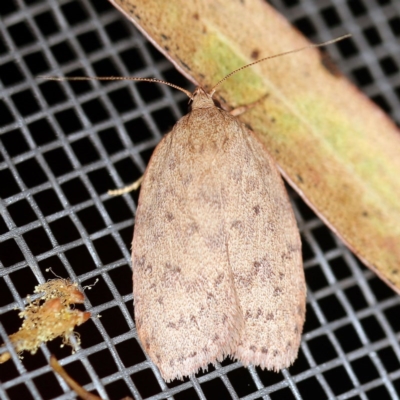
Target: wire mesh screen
(63,145)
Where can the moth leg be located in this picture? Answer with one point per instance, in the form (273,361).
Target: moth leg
(242,109)
(126,189)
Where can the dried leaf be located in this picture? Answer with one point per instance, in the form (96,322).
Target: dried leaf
(48,317)
(333,145)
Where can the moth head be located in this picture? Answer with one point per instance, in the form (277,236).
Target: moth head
(200,99)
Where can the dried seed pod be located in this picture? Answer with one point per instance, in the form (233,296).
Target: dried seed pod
(48,317)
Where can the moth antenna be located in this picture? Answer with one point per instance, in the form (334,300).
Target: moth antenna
(310,46)
(114,78)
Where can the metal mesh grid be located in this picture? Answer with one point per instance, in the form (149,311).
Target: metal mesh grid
(63,145)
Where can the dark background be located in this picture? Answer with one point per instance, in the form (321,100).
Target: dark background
(63,145)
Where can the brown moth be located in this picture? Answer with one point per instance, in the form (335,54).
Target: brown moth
(216,253)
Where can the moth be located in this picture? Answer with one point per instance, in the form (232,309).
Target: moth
(216,253)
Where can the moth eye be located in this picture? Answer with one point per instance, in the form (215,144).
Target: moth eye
(190,105)
(217,104)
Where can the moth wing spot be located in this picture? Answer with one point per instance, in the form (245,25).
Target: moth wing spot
(236,175)
(237,224)
(263,268)
(252,184)
(257,209)
(300,310)
(169,217)
(270,316)
(245,281)
(149,269)
(192,228)
(187,179)
(219,279)
(210,296)
(171,276)
(140,261)
(193,320)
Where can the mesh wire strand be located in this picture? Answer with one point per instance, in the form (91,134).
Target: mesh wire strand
(63,145)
